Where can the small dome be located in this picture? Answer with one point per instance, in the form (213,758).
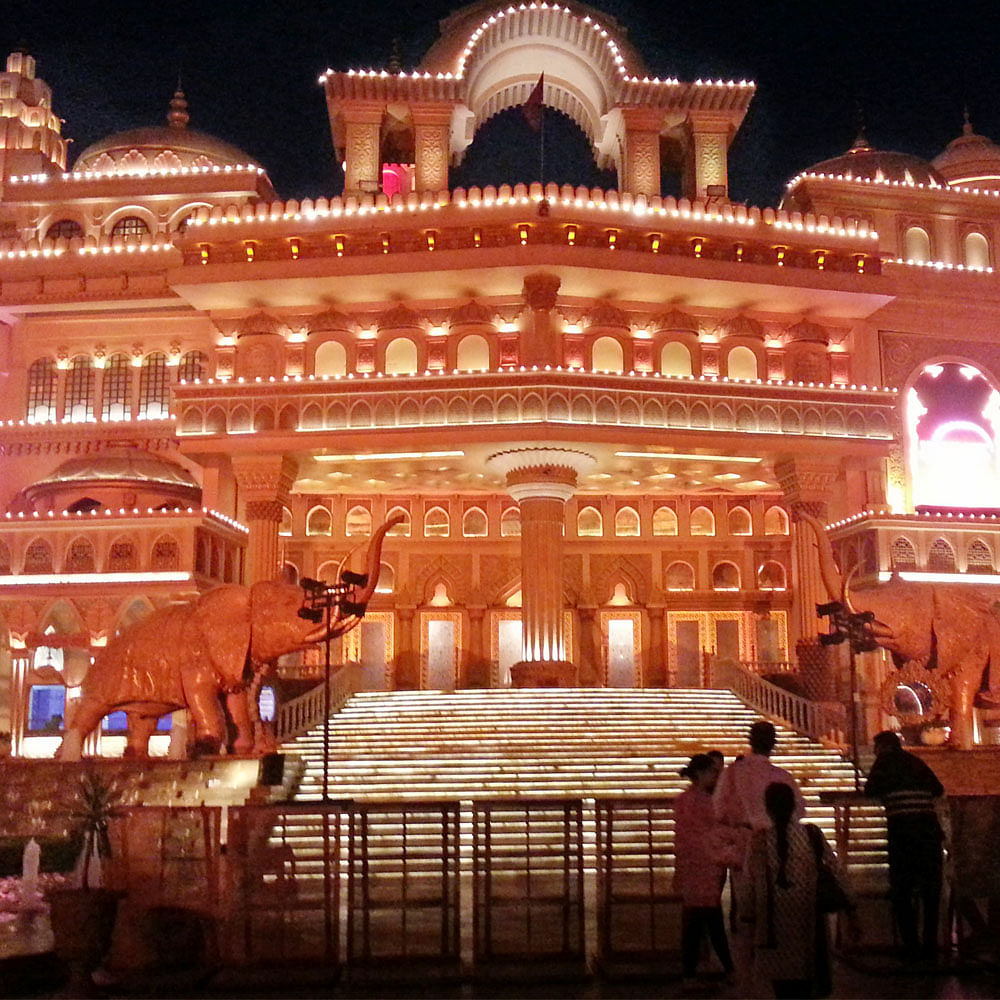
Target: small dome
(971,160)
(161,147)
(861,161)
(121,465)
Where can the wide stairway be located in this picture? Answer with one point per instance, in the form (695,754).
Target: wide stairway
(548,743)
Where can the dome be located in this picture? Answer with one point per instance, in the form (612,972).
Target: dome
(861,161)
(121,465)
(161,147)
(970,160)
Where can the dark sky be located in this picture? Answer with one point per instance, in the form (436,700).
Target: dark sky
(250,69)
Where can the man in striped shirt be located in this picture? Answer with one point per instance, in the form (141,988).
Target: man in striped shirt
(908,788)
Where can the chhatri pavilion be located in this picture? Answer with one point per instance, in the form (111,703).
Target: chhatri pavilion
(600,413)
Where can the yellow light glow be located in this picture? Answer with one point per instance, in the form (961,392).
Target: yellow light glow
(679,456)
(389,456)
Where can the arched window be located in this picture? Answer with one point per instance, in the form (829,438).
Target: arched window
(46,708)
(285,527)
(319,521)
(626,523)
(741,363)
(386,579)
(589,523)
(940,557)
(702,521)
(664,521)
(42,391)
(902,554)
(510,523)
(130,227)
(401,357)
(80,389)
(117,393)
(66,229)
(607,356)
(979,559)
(725,576)
(675,359)
(977,251)
(358,523)
(401,530)
(680,576)
(916,245)
(775,521)
(473,354)
(38,557)
(331,358)
(6,565)
(474,524)
(166,555)
(193,366)
(771,576)
(740,522)
(121,557)
(436,523)
(80,557)
(84,506)
(154,389)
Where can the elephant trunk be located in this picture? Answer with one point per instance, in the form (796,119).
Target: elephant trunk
(828,570)
(362,593)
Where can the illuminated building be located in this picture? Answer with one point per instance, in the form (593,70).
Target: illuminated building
(600,410)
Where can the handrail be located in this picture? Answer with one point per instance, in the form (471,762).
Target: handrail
(770,666)
(811,718)
(302,713)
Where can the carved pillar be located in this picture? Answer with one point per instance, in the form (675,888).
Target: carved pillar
(431,144)
(17,698)
(541,479)
(641,165)
(541,341)
(707,154)
(477,666)
(591,671)
(362,152)
(264,482)
(656,675)
(407,674)
(807,487)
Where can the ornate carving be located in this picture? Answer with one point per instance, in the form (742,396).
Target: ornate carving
(399,317)
(643,159)
(811,333)
(741,326)
(330,321)
(604,314)
(260,323)
(540,290)
(675,320)
(605,571)
(902,353)
(470,313)
(264,510)
(499,574)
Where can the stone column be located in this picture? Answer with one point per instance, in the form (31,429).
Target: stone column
(431,146)
(362,148)
(407,672)
(540,343)
(264,482)
(541,479)
(476,669)
(641,166)
(17,698)
(807,486)
(657,676)
(706,160)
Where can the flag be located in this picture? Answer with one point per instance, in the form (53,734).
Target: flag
(532,107)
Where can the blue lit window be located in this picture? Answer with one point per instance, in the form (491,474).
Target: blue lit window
(116,722)
(265,704)
(47,708)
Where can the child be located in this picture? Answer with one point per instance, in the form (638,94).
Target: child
(698,873)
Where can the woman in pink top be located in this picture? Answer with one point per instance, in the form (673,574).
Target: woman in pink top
(698,872)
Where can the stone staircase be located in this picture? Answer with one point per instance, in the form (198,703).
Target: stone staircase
(548,743)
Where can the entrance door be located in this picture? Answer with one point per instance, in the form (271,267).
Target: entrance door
(508,648)
(440,651)
(621,653)
(686,649)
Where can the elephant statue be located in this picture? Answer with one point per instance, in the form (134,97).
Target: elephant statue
(951,628)
(186,656)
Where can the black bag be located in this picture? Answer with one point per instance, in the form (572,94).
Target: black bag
(830,895)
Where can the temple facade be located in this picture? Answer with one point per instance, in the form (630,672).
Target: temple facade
(601,413)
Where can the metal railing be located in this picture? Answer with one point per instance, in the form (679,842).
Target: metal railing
(771,666)
(811,718)
(302,713)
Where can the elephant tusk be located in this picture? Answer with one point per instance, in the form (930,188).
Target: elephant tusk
(845,596)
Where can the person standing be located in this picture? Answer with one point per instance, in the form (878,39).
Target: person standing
(908,789)
(791,946)
(699,874)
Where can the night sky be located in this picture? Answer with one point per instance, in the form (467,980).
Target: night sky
(250,73)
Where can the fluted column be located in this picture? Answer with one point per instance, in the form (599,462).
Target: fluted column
(264,482)
(541,479)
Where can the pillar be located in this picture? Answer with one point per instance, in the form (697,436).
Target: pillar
(807,486)
(657,666)
(541,479)
(362,148)
(706,159)
(264,482)
(477,667)
(17,698)
(431,146)
(541,342)
(641,162)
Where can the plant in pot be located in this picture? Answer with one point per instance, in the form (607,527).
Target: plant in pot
(83,917)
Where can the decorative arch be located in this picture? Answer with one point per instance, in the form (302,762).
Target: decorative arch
(123,555)
(404,527)
(664,521)
(917,245)
(740,522)
(627,523)
(510,523)
(386,579)
(725,576)
(741,362)
(38,557)
(675,359)
(771,576)
(358,523)
(319,521)
(42,390)
(979,557)
(166,554)
(80,387)
(80,557)
(437,524)
(154,387)
(977,250)
(679,576)
(473,354)
(606,355)
(116,403)
(401,357)
(330,358)
(702,521)
(775,521)
(589,523)
(941,557)
(475,523)
(285,526)
(6,563)
(126,228)
(193,366)
(902,554)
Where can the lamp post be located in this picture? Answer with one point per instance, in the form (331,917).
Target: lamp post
(854,628)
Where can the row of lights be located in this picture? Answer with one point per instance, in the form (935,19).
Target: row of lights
(790,383)
(93,175)
(124,511)
(886,182)
(940,265)
(915,516)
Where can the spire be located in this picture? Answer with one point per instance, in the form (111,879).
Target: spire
(860,144)
(177,116)
(967,128)
(395,59)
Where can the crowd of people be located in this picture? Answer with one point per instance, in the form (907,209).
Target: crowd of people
(744,822)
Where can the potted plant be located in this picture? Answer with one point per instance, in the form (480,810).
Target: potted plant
(83,917)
